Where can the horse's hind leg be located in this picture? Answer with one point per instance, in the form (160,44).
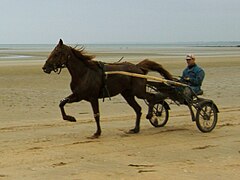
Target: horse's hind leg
(69,99)
(151,102)
(133,103)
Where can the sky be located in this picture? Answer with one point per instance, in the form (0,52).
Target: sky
(118,21)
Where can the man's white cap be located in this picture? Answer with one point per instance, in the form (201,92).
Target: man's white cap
(190,56)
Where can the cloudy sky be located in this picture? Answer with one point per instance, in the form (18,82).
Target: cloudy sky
(118,21)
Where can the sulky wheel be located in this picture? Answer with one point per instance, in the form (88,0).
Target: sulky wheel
(160,115)
(206,117)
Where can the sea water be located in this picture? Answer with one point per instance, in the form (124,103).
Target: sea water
(40,51)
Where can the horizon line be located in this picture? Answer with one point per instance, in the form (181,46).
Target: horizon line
(130,43)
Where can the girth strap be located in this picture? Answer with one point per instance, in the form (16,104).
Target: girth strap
(104,88)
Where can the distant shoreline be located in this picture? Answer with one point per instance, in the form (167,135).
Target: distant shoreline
(217,46)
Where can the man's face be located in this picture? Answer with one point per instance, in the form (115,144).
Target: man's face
(190,61)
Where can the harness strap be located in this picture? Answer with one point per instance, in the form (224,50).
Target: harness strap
(104,79)
(96,115)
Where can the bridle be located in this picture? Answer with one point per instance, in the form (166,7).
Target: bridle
(58,70)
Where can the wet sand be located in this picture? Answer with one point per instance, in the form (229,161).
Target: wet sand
(37,144)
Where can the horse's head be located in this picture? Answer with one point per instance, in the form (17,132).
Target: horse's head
(57,59)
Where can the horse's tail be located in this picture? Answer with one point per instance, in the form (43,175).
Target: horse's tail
(147,65)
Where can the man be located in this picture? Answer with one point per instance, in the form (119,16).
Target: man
(193,75)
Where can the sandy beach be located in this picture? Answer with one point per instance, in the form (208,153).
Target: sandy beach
(37,144)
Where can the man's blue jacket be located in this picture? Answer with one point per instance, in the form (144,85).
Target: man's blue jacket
(196,75)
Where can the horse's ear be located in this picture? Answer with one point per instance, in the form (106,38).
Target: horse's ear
(60,42)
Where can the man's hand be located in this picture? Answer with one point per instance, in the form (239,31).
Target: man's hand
(187,79)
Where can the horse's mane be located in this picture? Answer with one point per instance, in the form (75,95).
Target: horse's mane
(82,55)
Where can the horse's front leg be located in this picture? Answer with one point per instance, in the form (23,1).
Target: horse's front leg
(69,99)
(95,107)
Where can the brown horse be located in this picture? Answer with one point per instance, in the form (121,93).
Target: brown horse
(90,83)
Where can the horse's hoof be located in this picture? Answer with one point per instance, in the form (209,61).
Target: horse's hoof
(133,131)
(149,116)
(70,118)
(94,136)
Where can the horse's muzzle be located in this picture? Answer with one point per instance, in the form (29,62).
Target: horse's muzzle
(46,70)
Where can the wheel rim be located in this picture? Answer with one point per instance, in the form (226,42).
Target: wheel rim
(207,117)
(159,115)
